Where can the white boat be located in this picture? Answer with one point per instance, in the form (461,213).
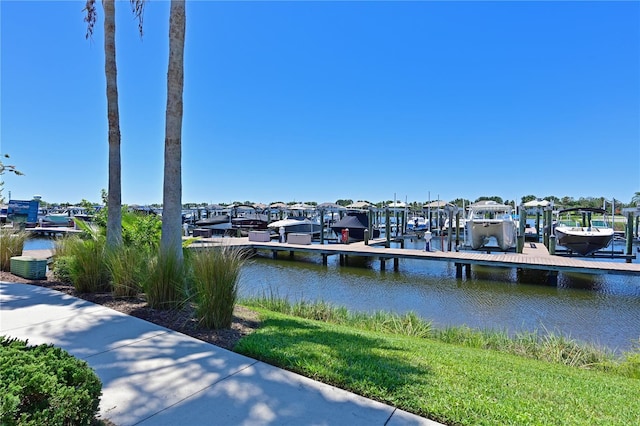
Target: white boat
(298,225)
(65,217)
(487,220)
(582,236)
(416,224)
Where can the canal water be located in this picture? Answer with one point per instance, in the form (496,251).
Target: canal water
(603,310)
(600,309)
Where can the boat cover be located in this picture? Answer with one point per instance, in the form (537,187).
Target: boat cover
(351,222)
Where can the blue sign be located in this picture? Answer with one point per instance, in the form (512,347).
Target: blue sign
(26,209)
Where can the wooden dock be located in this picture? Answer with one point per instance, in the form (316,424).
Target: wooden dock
(534,257)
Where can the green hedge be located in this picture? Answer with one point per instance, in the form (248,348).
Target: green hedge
(45,385)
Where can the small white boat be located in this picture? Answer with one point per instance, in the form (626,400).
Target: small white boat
(298,225)
(582,237)
(416,224)
(487,220)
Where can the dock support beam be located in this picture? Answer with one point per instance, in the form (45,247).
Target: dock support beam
(274,254)
(324,259)
(552,278)
(629,235)
(467,270)
(383,264)
(396,264)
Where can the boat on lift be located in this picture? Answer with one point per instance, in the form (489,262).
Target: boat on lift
(489,219)
(576,230)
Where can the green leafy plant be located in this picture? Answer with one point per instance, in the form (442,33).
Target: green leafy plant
(44,385)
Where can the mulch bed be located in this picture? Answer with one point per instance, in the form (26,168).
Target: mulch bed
(181,320)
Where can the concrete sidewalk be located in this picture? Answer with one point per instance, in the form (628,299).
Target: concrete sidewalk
(155,376)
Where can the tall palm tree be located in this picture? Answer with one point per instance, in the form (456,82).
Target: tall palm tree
(114,191)
(114,194)
(171,239)
(636,199)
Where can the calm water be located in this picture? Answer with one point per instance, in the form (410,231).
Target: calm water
(603,309)
(600,309)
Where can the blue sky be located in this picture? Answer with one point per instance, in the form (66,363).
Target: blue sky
(319,101)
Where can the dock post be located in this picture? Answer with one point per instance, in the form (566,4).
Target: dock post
(366,237)
(387,228)
(321,227)
(467,270)
(538,225)
(383,264)
(522,223)
(458,230)
(341,259)
(459,270)
(547,226)
(552,278)
(324,259)
(274,254)
(629,235)
(396,264)
(291,254)
(552,244)
(520,244)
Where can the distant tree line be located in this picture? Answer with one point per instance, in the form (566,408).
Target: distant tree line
(564,202)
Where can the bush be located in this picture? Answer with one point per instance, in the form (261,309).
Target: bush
(11,244)
(44,385)
(61,268)
(215,273)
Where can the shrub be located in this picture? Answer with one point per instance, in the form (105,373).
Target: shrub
(215,273)
(44,385)
(11,244)
(62,268)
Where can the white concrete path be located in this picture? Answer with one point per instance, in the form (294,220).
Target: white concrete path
(155,376)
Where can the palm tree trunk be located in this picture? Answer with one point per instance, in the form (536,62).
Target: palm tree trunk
(114,200)
(171,240)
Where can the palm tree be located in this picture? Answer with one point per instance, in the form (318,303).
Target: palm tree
(636,199)
(114,194)
(171,239)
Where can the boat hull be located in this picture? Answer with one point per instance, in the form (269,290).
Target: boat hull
(584,241)
(480,232)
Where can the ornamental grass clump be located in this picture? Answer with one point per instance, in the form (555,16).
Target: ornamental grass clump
(164,285)
(215,273)
(128,267)
(82,261)
(11,244)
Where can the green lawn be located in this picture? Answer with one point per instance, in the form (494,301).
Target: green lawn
(444,382)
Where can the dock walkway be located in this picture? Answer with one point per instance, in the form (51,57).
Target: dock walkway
(535,256)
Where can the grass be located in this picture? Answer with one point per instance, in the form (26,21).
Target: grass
(446,382)
(11,244)
(215,273)
(164,287)
(84,263)
(127,266)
